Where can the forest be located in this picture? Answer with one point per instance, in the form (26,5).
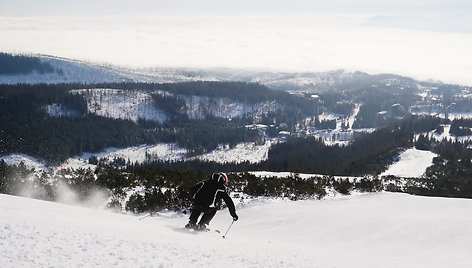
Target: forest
(27,128)
(20,64)
(166,184)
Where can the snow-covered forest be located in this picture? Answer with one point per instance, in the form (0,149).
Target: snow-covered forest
(97,162)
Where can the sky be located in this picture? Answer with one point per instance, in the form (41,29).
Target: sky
(424,39)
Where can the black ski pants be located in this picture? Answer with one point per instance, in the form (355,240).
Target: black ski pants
(208,214)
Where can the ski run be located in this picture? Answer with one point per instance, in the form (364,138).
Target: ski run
(371,230)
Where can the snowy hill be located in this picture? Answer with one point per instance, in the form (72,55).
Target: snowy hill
(380,230)
(75,71)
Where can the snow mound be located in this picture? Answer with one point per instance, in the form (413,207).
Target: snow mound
(379,230)
(412,163)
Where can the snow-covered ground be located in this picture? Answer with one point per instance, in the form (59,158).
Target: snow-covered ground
(378,230)
(445,135)
(29,161)
(353,116)
(199,107)
(340,135)
(450,116)
(412,163)
(139,104)
(286,174)
(75,71)
(121,104)
(140,154)
(59,110)
(246,151)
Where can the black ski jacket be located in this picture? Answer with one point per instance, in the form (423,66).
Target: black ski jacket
(208,193)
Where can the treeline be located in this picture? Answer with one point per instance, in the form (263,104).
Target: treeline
(368,154)
(250,93)
(449,176)
(165,189)
(443,186)
(20,64)
(27,128)
(461,127)
(382,104)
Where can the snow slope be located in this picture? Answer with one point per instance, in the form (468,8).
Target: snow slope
(380,230)
(412,163)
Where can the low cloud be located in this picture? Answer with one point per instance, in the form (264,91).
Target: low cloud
(440,24)
(293,42)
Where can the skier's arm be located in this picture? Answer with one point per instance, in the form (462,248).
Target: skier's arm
(230,204)
(195,189)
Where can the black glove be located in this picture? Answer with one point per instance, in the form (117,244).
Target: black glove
(235,217)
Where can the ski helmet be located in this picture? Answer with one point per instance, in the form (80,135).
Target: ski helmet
(223,178)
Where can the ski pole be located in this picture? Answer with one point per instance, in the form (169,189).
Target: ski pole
(149,214)
(224,236)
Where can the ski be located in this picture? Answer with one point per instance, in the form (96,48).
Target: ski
(145,216)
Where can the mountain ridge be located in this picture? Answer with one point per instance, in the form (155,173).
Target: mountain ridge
(78,71)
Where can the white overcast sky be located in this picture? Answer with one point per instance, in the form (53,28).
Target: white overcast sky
(425,39)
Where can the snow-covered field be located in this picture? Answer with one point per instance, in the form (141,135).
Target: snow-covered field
(378,230)
(246,151)
(412,163)
(161,151)
(198,107)
(121,104)
(29,161)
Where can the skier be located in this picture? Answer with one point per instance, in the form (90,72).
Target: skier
(207,197)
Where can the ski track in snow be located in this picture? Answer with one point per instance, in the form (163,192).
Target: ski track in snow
(374,230)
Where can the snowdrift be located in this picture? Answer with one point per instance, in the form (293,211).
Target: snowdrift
(378,230)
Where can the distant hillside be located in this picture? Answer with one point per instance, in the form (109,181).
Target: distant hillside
(54,122)
(33,69)
(21,65)
(36,69)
